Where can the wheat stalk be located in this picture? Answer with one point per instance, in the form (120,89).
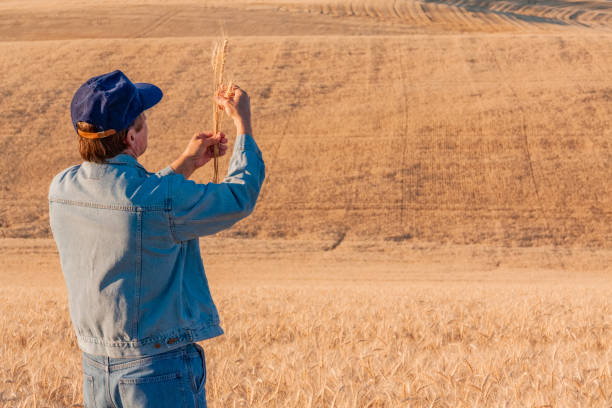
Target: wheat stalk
(218,63)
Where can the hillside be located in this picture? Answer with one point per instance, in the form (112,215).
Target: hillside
(463,121)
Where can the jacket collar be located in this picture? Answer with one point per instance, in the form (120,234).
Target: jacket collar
(124,159)
(120,159)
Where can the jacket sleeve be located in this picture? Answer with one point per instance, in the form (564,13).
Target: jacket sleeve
(204,209)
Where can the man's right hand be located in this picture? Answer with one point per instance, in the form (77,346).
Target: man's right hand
(237,106)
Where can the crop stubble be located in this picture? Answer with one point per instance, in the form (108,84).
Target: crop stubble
(461,130)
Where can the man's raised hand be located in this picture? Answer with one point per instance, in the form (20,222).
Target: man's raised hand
(199,151)
(237,105)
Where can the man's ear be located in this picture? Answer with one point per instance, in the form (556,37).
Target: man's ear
(130,137)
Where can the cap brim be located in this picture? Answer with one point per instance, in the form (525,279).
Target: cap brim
(150,95)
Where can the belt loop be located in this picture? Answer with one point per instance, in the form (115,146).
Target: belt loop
(109,397)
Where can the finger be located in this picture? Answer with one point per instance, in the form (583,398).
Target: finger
(227,109)
(221,99)
(209,141)
(213,140)
(203,135)
(222,138)
(222,102)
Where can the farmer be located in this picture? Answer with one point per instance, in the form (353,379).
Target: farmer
(128,244)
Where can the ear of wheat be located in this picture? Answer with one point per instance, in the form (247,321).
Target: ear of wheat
(218,63)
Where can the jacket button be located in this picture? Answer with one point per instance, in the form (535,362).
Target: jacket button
(157,345)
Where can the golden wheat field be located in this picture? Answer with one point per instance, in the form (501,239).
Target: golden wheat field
(363,326)
(435,228)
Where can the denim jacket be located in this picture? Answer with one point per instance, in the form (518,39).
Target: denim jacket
(129,249)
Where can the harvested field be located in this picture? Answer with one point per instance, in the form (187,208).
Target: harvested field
(476,138)
(436,224)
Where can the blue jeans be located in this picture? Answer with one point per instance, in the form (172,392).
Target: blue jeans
(175,378)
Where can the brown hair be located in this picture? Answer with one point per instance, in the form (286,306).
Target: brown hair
(98,150)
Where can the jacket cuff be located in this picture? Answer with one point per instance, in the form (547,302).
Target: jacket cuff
(245,142)
(165,171)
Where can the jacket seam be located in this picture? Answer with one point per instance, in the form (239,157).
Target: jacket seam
(159,338)
(170,217)
(139,269)
(108,206)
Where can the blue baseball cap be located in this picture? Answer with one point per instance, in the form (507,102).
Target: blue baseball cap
(111,102)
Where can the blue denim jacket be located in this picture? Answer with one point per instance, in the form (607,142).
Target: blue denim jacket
(129,249)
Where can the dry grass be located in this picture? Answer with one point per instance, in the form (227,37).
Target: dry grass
(327,344)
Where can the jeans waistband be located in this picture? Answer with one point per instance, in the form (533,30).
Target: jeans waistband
(116,363)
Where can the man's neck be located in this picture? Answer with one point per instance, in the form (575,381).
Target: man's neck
(130,152)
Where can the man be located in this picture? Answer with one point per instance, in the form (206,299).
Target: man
(129,250)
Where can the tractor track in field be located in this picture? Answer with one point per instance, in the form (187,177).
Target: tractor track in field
(536,185)
(396,11)
(598,64)
(404,133)
(284,49)
(529,162)
(267,89)
(486,168)
(160,21)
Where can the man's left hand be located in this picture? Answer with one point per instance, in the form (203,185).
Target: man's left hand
(199,151)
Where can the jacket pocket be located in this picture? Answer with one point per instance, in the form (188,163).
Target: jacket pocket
(153,391)
(89,397)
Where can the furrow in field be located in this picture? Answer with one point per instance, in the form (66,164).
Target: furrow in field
(312,17)
(546,12)
(475,15)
